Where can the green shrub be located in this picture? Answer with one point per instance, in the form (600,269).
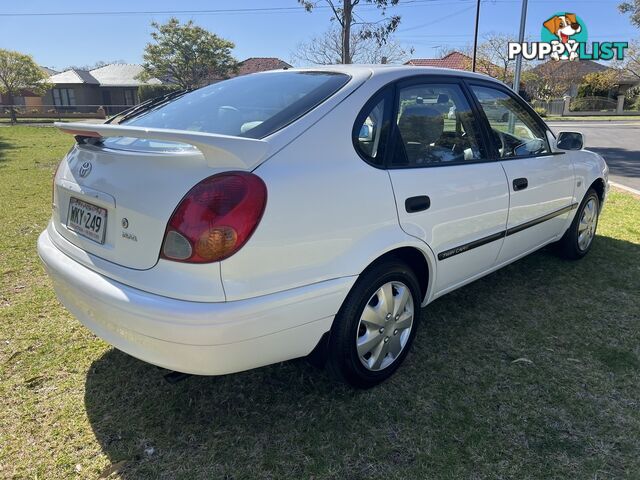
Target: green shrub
(147,92)
(593,104)
(541,111)
(632,99)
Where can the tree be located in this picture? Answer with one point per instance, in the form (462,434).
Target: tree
(187,55)
(552,79)
(19,72)
(345,16)
(630,65)
(326,49)
(633,9)
(493,56)
(598,84)
(533,84)
(147,92)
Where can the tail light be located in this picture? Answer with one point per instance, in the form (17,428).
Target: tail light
(215,219)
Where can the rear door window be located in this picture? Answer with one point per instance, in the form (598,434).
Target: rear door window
(436,126)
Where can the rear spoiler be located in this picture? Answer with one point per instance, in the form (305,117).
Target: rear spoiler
(218,150)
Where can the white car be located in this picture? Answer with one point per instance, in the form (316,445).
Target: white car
(276,215)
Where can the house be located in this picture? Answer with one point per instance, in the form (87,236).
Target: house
(255,65)
(113,86)
(569,73)
(454,60)
(572,74)
(48,71)
(458,61)
(261,64)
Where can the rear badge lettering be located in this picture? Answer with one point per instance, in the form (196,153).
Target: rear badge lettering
(129,236)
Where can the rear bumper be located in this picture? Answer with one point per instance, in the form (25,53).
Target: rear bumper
(195,337)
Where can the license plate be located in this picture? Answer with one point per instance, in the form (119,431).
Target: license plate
(87,219)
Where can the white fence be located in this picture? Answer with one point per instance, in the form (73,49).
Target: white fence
(553,107)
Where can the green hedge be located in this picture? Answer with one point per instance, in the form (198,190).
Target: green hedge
(147,92)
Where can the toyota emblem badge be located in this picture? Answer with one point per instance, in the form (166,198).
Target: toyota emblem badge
(85,169)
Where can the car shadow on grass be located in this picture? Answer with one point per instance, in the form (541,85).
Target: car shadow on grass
(529,372)
(4,146)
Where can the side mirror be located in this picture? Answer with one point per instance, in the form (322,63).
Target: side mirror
(366,133)
(570,141)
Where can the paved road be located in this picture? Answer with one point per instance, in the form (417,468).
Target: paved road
(617,142)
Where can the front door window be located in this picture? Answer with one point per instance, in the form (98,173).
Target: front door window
(515,130)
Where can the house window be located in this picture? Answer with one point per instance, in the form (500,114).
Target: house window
(129,97)
(64,97)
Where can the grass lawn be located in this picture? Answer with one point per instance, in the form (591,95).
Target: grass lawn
(532,372)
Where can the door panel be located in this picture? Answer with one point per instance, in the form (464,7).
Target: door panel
(540,182)
(438,152)
(468,203)
(549,191)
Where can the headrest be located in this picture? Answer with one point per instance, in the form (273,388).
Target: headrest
(230,119)
(420,123)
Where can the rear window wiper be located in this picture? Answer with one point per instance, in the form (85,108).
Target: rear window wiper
(146,106)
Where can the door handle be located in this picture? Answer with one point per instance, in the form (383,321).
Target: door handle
(520,184)
(417,204)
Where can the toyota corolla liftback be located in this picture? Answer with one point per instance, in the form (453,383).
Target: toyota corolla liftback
(275,215)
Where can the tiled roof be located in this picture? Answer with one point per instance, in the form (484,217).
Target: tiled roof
(121,75)
(455,60)
(73,76)
(261,64)
(112,75)
(578,68)
(124,74)
(48,71)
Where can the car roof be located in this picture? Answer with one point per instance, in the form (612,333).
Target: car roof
(395,71)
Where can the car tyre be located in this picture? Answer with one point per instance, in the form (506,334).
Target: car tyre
(376,325)
(578,239)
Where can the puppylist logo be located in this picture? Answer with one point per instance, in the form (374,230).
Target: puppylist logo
(564,37)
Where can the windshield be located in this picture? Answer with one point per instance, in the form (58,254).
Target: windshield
(247,106)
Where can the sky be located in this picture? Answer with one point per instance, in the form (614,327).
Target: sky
(45,30)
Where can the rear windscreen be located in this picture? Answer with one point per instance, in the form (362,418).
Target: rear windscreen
(251,106)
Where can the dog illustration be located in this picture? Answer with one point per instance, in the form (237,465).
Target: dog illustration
(563,27)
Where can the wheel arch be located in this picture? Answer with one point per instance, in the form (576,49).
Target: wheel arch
(600,187)
(416,259)
(419,259)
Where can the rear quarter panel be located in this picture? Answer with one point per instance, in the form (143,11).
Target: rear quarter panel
(328,213)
